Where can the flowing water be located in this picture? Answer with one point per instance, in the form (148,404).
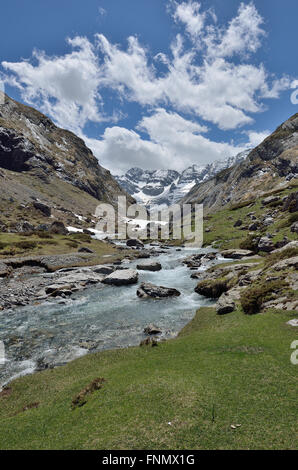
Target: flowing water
(101,317)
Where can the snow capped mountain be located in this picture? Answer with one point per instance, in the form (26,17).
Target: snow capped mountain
(166,187)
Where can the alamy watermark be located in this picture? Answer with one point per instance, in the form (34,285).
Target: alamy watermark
(135,221)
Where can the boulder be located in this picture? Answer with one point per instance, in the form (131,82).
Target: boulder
(212,288)
(85,249)
(254,226)
(224,304)
(103,269)
(265,244)
(236,253)
(58,227)
(294,227)
(24,227)
(292,244)
(147,289)
(43,228)
(122,277)
(3,227)
(268,221)
(270,199)
(238,223)
(149,266)
(135,242)
(291,202)
(43,208)
(152,330)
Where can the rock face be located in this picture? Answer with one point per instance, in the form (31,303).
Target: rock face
(63,169)
(147,289)
(149,266)
(122,277)
(266,168)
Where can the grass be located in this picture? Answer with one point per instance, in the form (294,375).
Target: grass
(223,234)
(12,244)
(233,369)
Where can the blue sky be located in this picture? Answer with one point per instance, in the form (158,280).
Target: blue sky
(155,84)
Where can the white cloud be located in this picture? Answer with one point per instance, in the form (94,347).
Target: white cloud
(189,14)
(174,143)
(255,138)
(65,87)
(202,81)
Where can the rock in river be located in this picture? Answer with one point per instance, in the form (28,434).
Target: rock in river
(122,277)
(147,289)
(152,330)
(149,266)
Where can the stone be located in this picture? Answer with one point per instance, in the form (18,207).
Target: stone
(294,227)
(135,242)
(147,290)
(290,245)
(254,226)
(291,203)
(265,244)
(24,227)
(268,221)
(236,253)
(149,266)
(103,269)
(224,305)
(293,322)
(43,208)
(85,249)
(58,227)
(152,330)
(238,223)
(270,199)
(122,277)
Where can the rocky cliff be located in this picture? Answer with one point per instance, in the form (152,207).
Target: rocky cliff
(39,161)
(269,166)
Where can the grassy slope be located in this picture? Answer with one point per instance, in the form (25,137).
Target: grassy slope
(220,371)
(58,244)
(222,222)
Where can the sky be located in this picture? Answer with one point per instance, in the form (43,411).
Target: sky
(154,84)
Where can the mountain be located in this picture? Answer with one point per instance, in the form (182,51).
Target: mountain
(166,187)
(267,167)
(41,162)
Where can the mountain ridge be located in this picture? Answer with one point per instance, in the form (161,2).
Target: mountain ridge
(167,187)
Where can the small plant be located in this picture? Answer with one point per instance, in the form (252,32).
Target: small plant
(250,243)
(253,298)
(26,245)
(80,399)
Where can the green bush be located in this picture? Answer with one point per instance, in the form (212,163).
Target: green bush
(252,299)
(250,243)
(83,237)
(26,245)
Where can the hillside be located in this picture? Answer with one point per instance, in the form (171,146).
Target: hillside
(269,166)
(43,163)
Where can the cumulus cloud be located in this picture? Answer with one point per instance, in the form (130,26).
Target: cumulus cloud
(173,142)
(65,87)
(201,79)
(255,138)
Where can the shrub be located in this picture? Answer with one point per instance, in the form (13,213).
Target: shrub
(270,260)
(83,237)
(250,243)
(26,245)
(252,299)
(43,234)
